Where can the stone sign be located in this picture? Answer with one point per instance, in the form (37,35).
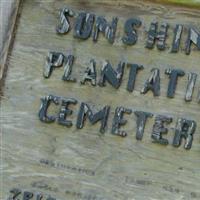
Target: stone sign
(101,100)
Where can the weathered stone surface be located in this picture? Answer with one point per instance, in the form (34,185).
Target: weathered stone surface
(58,162)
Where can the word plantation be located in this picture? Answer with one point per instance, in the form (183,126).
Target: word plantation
(88,24)
(114,76)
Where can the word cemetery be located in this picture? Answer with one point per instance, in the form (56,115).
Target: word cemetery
(88,25)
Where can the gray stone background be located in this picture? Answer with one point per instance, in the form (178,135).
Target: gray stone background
(5,8)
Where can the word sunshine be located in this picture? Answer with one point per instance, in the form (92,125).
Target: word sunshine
(184,128)
(88,25)
(114,76)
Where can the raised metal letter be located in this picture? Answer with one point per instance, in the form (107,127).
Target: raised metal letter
(177,38)
(184,129)
(119,121)
(112,76)
(134,68)
(131,34)
(44,106)
(85,111)
(90,73)
(27,195)
(152,83)
(193,37)
(64,25)
(107,29)
(83,25)
(68,64)
(141,121)
(65,111)
(15,193)
(54,59)
(173,75)
(190,86)
(159,129)
(153,35)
